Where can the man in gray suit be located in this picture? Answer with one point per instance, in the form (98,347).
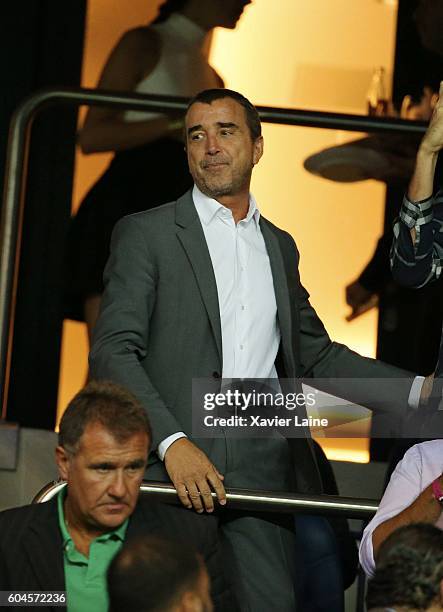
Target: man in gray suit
(205,287)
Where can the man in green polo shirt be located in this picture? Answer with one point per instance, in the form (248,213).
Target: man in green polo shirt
(103,467)
(68,543)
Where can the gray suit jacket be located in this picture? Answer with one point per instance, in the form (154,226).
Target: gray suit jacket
(160,327)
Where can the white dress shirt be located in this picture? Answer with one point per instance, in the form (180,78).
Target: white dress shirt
(248,310)
(246,297)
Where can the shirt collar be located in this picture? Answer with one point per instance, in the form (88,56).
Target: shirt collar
(118,533)
(207,208)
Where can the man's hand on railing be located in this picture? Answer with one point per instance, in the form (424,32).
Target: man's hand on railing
(194,476)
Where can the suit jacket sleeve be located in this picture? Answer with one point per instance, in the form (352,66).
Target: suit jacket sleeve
(121,335)
(339,370)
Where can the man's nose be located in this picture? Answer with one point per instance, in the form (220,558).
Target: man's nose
(117,486)
(212,146)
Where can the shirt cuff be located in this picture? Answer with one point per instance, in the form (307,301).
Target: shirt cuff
(415,392)
(166,443)
(416,213)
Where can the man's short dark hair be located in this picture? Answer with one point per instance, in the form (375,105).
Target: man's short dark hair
(108,404)
(207,96)
(151,574)
(409,568)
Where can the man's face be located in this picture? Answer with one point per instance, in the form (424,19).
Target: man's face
(221,153)
(103,478)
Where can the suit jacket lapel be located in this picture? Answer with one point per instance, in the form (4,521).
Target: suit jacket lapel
(308,478)
(43,545)
(190,233)
(281,294)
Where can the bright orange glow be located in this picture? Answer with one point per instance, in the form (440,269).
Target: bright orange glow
(338,450)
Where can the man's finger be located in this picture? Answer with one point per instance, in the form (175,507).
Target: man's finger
(194,496)
(205,495)
(182,493)
(215,481)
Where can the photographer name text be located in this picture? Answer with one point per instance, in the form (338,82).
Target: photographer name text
(259,421)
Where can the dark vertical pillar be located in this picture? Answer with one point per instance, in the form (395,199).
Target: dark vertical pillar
(42,44)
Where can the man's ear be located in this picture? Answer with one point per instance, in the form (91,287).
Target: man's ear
(258,150)
(62,460)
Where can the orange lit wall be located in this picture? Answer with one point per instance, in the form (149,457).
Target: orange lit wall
(313,54)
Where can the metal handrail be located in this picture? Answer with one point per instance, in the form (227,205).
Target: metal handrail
(253,501)
(16,168)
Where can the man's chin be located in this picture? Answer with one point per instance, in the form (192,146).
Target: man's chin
(216,191)
(111,518)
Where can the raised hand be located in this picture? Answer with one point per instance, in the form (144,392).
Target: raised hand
(433,139)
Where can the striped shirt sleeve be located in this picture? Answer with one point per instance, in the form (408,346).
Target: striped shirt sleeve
(416,264)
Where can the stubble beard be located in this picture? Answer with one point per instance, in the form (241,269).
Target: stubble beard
(231,187)
(215,191)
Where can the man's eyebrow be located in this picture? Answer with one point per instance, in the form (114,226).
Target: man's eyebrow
(110,465)
(220,124)
(102,464)
(194,128)
(227,124)
(136,463)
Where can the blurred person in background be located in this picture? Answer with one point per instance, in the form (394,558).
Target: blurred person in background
(409,574)
(169,56)
(413,495)
(158,575)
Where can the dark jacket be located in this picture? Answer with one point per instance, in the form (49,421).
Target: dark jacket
(31,551)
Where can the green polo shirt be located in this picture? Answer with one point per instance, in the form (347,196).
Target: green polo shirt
(85,577)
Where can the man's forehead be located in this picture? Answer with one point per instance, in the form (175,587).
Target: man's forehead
(223,110)
(97,438)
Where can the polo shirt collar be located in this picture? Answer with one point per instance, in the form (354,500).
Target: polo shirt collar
(118,533)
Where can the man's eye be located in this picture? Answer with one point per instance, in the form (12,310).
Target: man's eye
(226,132)
(136,467)
(196,136)
(134,473)
(102,470)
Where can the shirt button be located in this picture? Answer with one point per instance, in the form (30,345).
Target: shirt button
(243,307)
(241,347)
